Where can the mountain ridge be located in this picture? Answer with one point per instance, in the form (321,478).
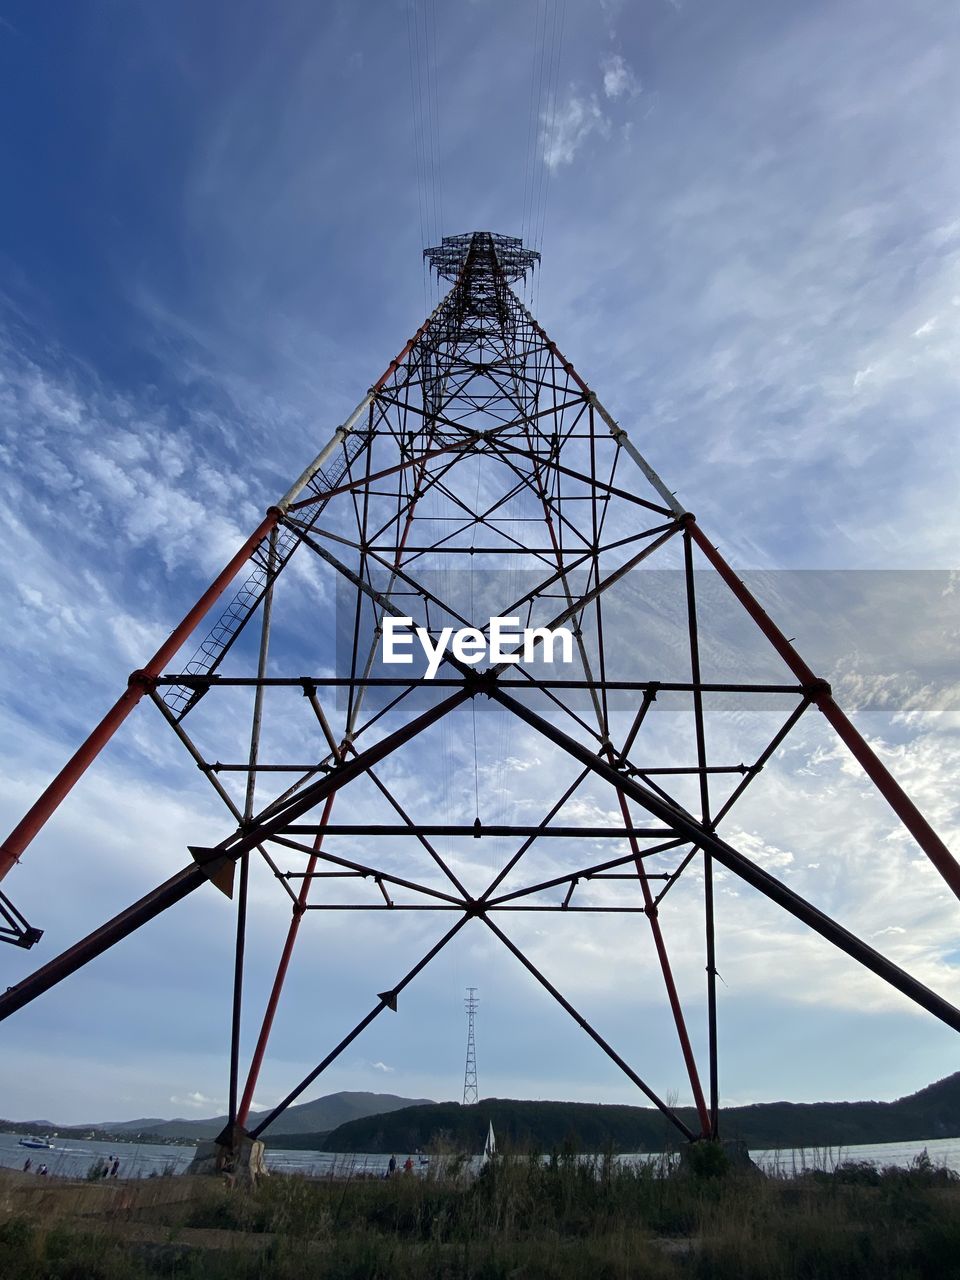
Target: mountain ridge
(930,1112)
(371,1122)
(317,1116)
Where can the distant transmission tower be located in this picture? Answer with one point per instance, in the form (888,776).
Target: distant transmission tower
(470,1070)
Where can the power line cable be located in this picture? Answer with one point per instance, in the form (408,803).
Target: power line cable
(418,163)
(532,128)
(538,173)
(436,118)
(562,10)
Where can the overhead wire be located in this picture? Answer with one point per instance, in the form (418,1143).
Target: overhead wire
(533,125)
(426,26)
(416,120)
(535,134)
(419,23)
(423,44)
(547,62)
(426,112)
(434,63)
(474,622)
(560,16)
(424,60)
(540,135)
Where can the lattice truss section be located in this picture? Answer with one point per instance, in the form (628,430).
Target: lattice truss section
(480,477)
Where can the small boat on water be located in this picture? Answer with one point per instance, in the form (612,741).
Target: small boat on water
(36,1144)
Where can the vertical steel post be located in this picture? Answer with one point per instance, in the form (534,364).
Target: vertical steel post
(244,880)
(708,903)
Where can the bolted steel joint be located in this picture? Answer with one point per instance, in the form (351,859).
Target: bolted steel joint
(477,682)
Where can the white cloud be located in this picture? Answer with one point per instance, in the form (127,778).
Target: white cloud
(618,77)
(569,126)
(54,403)
(197,1100)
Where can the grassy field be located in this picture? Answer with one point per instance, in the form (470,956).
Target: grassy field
(520,1219)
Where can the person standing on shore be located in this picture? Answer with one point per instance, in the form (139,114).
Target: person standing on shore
(392,1166)
(27,1164)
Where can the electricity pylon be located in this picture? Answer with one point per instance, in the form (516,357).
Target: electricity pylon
(470,1093)
(479,477)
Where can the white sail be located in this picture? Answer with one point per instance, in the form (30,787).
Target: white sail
(490,1146)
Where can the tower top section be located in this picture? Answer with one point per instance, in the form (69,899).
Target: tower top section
(449,257)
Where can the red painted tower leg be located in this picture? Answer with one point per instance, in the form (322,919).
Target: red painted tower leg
(256,1062)
(876,771)
(671,986)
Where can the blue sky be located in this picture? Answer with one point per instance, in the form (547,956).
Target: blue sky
(210,247)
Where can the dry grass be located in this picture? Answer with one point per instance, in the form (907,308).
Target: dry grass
(521,1219)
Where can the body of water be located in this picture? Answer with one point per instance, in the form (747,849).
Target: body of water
(70,1158)
(942,1151)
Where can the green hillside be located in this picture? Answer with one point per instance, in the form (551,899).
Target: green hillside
(933,1112)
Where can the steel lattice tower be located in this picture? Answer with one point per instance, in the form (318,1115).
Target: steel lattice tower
(470,1094)
(480,476)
